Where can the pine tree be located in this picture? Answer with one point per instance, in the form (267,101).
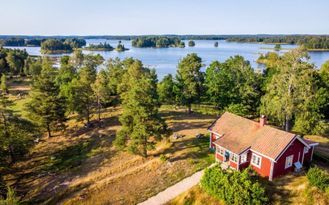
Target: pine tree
(141,123)
(166,90)
(101,91)
(81,93)
(46,106)
(4,87)
(190,80)
(16,134)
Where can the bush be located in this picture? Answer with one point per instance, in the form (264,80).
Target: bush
(11,198)
(318,178)
(163,158)
(233,187)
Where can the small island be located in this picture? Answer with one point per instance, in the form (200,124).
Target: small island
(120,47)
(58,46)
(277,47)
(309,42)
(191,43)
(157,42)
(99,47)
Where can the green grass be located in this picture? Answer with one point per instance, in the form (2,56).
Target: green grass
(70,157)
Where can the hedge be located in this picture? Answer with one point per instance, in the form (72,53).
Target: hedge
(319,178)
(233,187)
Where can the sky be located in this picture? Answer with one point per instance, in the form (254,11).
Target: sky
(140,17)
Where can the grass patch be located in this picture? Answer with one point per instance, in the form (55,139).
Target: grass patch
(71,156)
(19,106)
(195,196)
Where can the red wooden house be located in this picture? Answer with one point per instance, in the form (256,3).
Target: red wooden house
(271,152)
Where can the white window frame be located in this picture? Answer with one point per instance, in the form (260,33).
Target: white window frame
(220,151)
(257,157)
(288,159)
(234,158)
(306,149)
(244,158)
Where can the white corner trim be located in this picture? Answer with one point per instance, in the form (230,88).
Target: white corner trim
(303,156)
(271,170)
(312,154)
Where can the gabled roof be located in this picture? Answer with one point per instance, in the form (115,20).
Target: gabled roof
(311,143)
(239,134)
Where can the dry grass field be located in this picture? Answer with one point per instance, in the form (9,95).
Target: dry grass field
(81,166)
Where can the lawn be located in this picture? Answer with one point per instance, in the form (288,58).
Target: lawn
(81,166)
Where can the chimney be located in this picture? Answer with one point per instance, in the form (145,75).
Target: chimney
(262,120)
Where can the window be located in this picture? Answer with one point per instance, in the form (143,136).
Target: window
(234,158)
(289,160)
(243,158)
(305,150)
(256,160)
(220,151)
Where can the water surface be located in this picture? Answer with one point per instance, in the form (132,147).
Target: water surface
(165,60)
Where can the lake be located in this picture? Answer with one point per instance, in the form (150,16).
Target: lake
(165,60)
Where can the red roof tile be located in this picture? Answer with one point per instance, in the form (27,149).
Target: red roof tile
(238,134)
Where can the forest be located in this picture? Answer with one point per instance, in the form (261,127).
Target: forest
(157,42)
(99,47)
(291,92)
(55,46)
(308,41)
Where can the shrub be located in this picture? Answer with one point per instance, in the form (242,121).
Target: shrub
(11,198)
(319,178)
(233,187)
(163,158)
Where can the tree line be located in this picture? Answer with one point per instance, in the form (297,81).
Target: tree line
(308,41)
(36,42)
(157,42)
(290,91)
(13,61)
(54,46)
(99,47)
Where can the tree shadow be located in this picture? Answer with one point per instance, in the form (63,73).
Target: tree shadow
(276,189)
(179,115)
(199,147)
(54,170)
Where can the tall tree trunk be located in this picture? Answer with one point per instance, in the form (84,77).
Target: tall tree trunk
(189,107)
(145,147)
(99,109)
(88,117)
(287,124)
(12,155)
(48,130)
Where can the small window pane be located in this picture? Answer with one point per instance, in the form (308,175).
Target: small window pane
(243,158)
(289,161)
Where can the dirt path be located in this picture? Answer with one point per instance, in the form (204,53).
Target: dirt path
(175,190)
